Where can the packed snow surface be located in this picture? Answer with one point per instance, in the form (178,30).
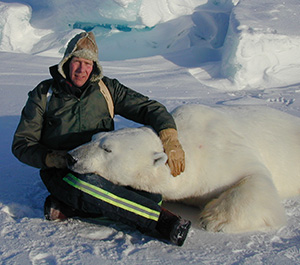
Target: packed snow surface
(213,52)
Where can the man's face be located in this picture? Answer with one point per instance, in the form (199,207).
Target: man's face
(80,70)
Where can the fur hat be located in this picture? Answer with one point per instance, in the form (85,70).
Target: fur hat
(83,45)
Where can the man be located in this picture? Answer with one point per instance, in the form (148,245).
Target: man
(64,112)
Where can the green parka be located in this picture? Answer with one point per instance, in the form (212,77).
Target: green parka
(70,121)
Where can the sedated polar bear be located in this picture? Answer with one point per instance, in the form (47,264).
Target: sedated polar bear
(240,161)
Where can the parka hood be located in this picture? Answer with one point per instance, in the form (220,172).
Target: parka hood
(83,45)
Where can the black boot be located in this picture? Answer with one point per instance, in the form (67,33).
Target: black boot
(173,227)
(55,210)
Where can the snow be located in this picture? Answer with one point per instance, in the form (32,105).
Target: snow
(215,52)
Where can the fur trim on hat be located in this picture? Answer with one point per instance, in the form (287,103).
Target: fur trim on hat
(83,45)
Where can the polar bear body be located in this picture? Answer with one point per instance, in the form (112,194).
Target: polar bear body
(239,162)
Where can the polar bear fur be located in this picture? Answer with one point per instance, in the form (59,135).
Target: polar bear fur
(240,162)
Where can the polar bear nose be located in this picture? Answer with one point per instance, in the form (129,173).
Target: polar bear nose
(71,161)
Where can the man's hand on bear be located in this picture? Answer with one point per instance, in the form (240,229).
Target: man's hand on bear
(174,151)
(56,159)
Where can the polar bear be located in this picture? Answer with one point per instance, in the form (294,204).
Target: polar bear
(240,162)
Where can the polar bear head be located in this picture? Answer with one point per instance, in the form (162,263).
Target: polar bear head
(131,156)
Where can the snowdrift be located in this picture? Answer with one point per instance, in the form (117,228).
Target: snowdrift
(260,52)
(253,52)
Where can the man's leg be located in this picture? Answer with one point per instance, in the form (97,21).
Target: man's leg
(90,193)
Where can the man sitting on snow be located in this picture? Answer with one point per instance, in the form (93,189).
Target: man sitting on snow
(64,112)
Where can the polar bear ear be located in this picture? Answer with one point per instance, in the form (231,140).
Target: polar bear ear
(160,158)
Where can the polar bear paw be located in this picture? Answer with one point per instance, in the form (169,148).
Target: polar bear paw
(244,207)
(215,217)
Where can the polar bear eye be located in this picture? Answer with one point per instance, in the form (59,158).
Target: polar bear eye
(106,148)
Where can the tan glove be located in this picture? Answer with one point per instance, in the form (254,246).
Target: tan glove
(174,151)
(56,159)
